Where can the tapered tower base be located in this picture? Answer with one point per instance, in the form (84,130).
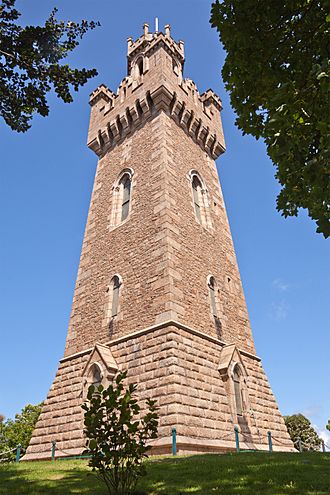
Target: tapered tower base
(179,367)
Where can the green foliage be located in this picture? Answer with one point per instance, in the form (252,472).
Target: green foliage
(277,73)
(116,437)
(18,430)
(300,427)
(328,425)
(29,64)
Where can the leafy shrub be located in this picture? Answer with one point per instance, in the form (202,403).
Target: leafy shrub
(116,437)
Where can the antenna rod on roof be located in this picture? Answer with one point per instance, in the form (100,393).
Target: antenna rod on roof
(156,24)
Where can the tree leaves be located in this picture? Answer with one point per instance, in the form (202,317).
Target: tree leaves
(19,430)
(299,428)
(277,73)
(30,65)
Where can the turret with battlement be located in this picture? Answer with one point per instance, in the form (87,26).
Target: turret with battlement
(155,83)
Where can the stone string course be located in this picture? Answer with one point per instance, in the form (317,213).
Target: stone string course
(162,129)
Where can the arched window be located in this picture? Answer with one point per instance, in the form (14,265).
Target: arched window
(112,301)
(125,183)
(115,295)
(140,66)
(211,285)
(200,199)
(238,391)
(197,193)
(121,198)
(94,375)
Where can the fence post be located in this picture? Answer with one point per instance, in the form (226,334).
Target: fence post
(53,449)
(323,445)
(270,441)
(299,445)
(236,438)
(173,441)
(18,452)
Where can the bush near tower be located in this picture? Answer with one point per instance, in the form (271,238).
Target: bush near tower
(117,439)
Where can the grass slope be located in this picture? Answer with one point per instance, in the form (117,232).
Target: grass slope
(228,474)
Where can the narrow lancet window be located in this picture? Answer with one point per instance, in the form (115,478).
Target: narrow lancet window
(197,189)
(95,376)
(140,66)
(126,185)
(115,295)
(122,198)
(212,296)
(200,199)
(238,391)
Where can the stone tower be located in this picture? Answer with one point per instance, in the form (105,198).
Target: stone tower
(158,290)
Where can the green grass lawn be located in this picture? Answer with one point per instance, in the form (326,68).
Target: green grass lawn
(227,474)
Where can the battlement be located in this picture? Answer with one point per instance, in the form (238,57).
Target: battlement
(155,83)
(198,116)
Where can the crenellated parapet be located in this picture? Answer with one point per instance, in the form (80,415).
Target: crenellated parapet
(196,119)
(154,84)
(102,93)
(211,100)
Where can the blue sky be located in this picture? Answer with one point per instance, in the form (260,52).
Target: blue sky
(45,185)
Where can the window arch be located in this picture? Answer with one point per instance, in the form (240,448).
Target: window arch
(197,193)
(122,197)
(212,295)
(200,199)
(237,378)
(215,307)
(125,183)
(139,64)
(138,69)
(94,375)
(115,295)
(113,298)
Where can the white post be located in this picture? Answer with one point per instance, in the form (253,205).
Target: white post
(156,25)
